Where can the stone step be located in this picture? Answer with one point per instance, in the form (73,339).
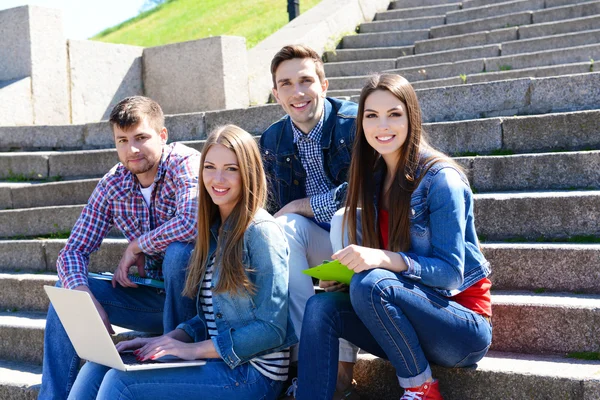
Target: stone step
(559,27)
(560,41)
(591,8)
(462,79)
(492,10)
(524,322)
(19,381)
(471,60)
(415,12)
(485,138)
(40,221)
(375,53)
(386,25)
(384,39)
(59,165)
(537,216)
(530,172)
(544,267)
(22,336)
(35,256)
(538,267)
(401,4)
(40,194)
(182,127)
(498,376)
(467,4)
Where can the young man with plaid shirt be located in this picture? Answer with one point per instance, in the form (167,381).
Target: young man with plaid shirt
(307,157)
(151,197)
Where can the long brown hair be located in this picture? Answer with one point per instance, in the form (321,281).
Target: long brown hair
(365,161)
(229,252)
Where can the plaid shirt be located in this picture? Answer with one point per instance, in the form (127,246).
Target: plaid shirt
(117,200)
(318,187)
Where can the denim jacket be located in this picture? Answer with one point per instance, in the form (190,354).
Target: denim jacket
(251,325)
(444,249)
(285,173)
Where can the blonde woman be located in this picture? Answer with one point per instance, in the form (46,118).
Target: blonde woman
(239,277)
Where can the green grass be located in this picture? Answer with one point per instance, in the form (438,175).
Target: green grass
(585,355)
(183,20)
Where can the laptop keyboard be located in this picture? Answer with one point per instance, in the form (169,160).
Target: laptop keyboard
(129,359)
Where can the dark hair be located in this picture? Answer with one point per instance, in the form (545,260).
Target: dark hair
(129,112)
(365,160)
(297,51)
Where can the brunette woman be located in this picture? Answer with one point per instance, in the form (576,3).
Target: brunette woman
(239,277)
(420,293)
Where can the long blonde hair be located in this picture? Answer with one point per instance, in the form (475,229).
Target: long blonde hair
(229,252)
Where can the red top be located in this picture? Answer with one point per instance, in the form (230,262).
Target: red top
(476,297)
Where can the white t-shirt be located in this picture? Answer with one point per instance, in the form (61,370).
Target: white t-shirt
(147,193)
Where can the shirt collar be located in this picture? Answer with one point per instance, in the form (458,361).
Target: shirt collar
(314,135)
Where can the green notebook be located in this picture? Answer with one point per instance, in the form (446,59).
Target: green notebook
(331,271)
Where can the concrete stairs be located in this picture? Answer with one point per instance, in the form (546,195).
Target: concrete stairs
(527,136)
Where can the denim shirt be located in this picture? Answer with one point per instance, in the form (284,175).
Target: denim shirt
(251,325)
(444,249)
(286,175)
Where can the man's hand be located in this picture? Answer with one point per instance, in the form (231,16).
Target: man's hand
(99,307)
(333,286)
(298,206)
(133,256)
(359,258)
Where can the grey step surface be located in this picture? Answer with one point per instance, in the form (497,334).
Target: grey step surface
(539,267)
(524,322)
(559,27)
(384,39)
(423,11)
(498,376)
(39,255)
(492,10)
(551,42)
(376,53)
(475,136)
(182,127)
(557,215)
(19,381)
(400,4)
(401,24)
(22,336)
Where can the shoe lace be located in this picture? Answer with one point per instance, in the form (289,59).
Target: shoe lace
(291,391)
(410,395)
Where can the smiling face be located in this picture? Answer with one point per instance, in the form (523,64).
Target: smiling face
(385,125)
(300,92)
(140,150)
(222,178)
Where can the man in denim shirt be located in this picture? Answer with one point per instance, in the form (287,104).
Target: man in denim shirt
(307,157)
(151,197)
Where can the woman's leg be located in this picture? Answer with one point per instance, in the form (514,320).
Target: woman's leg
(88,381)
(415,325)
(327,318)
(212,381)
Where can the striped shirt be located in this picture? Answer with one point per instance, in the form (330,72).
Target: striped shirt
(318,186)
(117,201)
(274,365)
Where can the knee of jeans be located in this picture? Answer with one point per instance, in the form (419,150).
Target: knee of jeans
(363,288)
(177,257)
(318,309)
(293,224)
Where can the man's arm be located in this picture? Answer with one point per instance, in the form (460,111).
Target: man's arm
(182,227)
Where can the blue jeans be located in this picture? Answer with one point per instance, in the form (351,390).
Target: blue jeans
(143,309)
(212,381)
(392,317)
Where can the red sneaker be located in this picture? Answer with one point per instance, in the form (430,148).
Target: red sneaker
(427,391)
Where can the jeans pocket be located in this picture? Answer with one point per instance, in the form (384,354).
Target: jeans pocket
(472,358)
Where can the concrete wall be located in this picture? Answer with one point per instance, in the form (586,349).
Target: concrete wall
(320,28)
(32,44)
(102,74)
(205,74)
(15,98)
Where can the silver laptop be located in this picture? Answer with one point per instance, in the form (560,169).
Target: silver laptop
(90,338)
